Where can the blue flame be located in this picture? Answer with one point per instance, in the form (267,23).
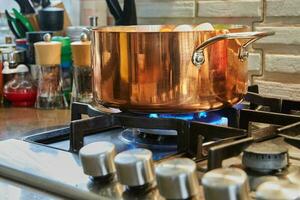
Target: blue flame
(188,116)
(211,118)
(202,115)
(153,115)
(222,121)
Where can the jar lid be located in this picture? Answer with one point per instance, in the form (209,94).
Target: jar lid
(47,52)
(81,51)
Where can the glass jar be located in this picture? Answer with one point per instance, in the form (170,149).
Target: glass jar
(47,57)
(50,93)
(82,88)
(21,90)
(82,74)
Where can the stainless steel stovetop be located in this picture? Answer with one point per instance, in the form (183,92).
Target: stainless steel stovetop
(50,162)
(60,172)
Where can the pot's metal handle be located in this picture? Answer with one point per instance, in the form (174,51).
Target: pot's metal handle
(198,55)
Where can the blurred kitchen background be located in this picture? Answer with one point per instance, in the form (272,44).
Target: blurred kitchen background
(274,62)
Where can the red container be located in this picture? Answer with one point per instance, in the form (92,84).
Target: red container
(21,91)
(21,98)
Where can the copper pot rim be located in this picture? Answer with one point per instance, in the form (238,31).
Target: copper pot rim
(167,28)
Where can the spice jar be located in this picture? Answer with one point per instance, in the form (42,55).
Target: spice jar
(47,57)
(33,37)
(82,74)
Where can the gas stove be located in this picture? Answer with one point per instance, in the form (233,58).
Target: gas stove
(244,152)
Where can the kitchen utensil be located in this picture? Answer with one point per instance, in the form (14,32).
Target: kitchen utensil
(51,19)
(150,68)
(23,20)
(19,24)
(114,8)
(48,57)
(33,19)
(16,28)
(25,7)
(127,16)
(82,70)
(129,13)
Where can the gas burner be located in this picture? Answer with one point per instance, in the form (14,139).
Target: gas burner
(150,138)
(265,157)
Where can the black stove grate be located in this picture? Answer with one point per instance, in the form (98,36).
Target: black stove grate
(186,130)
(194,139)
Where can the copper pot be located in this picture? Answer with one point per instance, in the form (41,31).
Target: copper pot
(156,69)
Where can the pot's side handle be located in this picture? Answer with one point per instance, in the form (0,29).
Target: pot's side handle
(198,55)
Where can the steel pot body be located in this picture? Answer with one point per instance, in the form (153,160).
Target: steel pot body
(157,69)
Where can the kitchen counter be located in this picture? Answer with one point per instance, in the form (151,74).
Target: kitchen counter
(19,122)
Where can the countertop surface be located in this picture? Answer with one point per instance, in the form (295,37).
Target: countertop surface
(19,122)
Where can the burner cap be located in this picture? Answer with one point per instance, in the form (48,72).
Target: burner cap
(265,157)
(142,138)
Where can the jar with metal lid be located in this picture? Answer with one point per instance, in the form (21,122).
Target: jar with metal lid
(47,57)
(82,75)
(33,37)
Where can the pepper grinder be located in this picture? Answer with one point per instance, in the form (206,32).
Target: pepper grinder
(47,57)
(82,74)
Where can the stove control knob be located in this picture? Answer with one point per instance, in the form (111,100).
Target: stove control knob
(177,178)
(97,159)
(278,190)
(226,183)
(135,168)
